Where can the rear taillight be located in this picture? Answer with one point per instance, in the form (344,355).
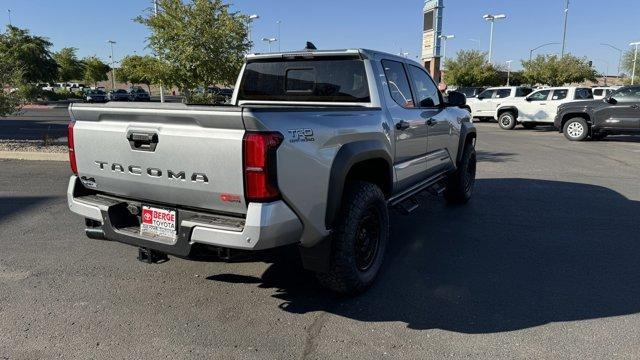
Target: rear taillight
(72,152)
(260,174)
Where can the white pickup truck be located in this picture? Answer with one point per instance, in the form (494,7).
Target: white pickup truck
(539,107)
(483,107)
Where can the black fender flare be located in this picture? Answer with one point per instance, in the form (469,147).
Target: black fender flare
(348,155)
(466,130)
(507,108)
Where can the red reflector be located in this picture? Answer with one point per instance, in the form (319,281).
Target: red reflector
(72,152)
(260,177)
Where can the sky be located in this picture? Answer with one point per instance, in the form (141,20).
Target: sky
(391,26)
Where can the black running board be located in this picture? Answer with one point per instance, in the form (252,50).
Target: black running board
(417,188)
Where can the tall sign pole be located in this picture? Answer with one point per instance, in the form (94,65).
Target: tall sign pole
(431,37)
(155,12)
(564,33)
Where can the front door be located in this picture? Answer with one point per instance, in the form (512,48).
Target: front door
(534,106)
(410,128)
(624,112)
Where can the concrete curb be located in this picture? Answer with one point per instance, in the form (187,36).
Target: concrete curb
(34,155)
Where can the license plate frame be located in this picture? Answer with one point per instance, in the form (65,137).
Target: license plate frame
(163,223)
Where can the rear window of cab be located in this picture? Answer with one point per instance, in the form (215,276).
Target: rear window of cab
(313,80)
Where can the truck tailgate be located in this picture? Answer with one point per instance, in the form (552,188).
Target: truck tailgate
(170,154)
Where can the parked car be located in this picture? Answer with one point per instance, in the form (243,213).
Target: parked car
(118,95)
(222,96)
(95,96)
(138,94)
(471,92)
(483,107)
(539,107)
(619,113)
(266,172)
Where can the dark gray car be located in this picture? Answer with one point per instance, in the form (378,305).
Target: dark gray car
(118,95)
(618,113)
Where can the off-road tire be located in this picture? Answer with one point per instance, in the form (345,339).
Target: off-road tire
(576,129)
(507,120)
(363,207)
(459,185)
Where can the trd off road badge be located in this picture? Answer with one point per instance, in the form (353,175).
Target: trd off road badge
(301,135)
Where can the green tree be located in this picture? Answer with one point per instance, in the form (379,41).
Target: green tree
(31,54)
(470,68)
(10,77)
(138,69)
(627,64)
(199,42)
(557,71)
(69,66)
(95,70)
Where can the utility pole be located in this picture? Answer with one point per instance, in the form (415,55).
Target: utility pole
(444,39)
(635,60)
(279,22)
(155,13)
(113,69)
(564,35)
(492,19)
(619,59)
(508,71)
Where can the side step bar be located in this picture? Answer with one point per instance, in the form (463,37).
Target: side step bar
(419,187)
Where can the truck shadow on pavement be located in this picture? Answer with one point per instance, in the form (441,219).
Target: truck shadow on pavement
(523,253)
(13,205)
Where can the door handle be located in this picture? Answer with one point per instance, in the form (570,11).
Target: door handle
(403,125)
(543,103)
(431,122)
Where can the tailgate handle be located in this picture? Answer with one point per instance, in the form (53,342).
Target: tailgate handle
(143,141)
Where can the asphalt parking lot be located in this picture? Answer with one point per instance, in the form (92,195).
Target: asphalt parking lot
(543,263)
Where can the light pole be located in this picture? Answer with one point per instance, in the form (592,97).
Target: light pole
(538,47)
(444,39)
(113,70)
(606,71)
(279,22)
(269,41)
(9,11)
(251,19)
(620,58)
(492,19)
(155,12)
(477,43)
(508,71)
(635,60)
(564,34)
(404,54)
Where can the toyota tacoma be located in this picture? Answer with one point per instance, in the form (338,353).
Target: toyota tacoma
(313,151)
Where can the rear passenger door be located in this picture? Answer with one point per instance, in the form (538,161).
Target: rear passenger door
(429,107)
(410,128)
(483,106)
(558,96)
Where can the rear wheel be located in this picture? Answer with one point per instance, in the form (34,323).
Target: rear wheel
(459,187)
(359,240)
(576,129)
(507,120)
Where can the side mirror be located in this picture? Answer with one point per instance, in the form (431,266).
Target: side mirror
(527,98)
(610,100)
(456,99)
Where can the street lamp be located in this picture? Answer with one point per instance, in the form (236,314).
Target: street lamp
(620,58)
(279,22)
(564,34)
(444,39)
(477,43)
(113,70)
(9,11)
(404,54)
(269,40)
(492,19)
(538,47)
(508,71)
(250,20)
(635,60)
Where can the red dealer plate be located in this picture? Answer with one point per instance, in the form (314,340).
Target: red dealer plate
(158,222)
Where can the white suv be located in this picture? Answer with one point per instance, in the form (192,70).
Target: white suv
(484,105)
(540,107)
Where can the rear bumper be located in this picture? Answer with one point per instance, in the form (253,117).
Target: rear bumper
(265,226)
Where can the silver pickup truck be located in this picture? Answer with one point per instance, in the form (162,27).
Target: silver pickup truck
(314,150)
